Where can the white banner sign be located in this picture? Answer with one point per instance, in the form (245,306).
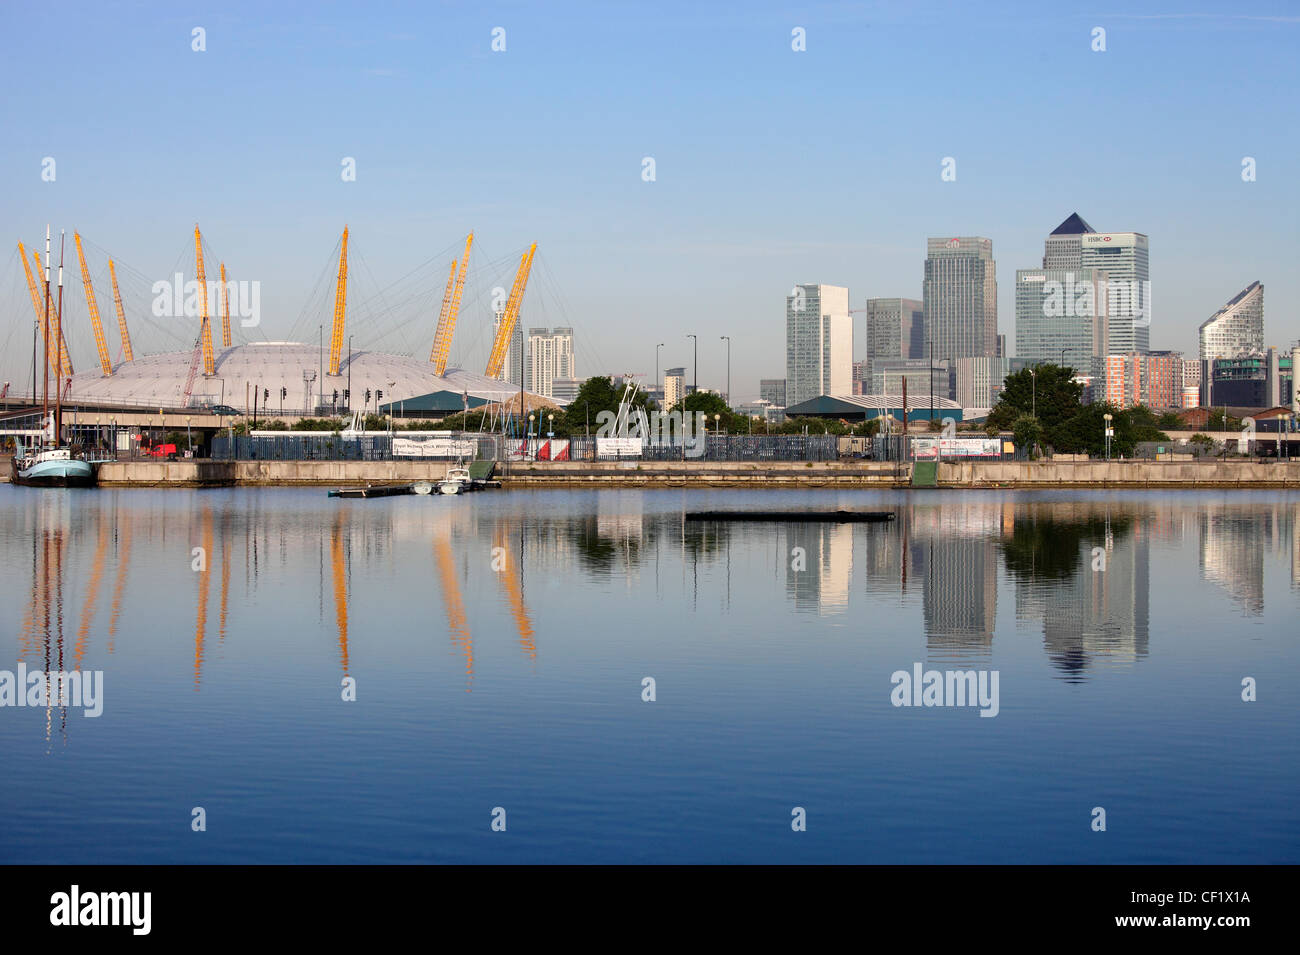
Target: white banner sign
(924,449)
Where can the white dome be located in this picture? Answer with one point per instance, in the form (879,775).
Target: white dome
(158,381)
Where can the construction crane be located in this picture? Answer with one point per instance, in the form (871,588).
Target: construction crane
(450,309)
(225,310)
(40,312)
(497,360)
(340,308)
(101,344)
(121,316)
(205,323)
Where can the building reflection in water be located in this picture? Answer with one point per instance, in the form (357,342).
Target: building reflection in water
(1080,570)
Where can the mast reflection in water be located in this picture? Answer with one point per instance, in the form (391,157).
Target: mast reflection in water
(498,646)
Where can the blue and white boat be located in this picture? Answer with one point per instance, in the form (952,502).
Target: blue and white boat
(55,467)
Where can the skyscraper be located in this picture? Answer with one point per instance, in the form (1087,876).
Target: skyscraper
(1064,247)
(895,329)
(961,298)
(1236,329)
(818,343)
(1123,257)
(1061,317)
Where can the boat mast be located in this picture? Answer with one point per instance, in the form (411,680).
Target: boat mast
(58,338)
(45,388)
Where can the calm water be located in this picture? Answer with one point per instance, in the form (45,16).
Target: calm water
(499,641)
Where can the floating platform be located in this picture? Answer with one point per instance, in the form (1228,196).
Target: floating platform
(838,517)
(373,490)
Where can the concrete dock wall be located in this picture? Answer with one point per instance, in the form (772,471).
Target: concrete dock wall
(997,474)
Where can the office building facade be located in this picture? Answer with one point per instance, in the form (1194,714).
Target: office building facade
(819,343)
(960,298)
(1125,258)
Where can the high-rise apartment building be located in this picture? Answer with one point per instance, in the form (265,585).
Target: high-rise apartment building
(1236,329)
(1154,379)
(961,298)
(818,343)
(674,387)
(550,356)
(1123,256)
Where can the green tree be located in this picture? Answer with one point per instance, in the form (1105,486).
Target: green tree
(1027,432)
(1047,392)
(595,395)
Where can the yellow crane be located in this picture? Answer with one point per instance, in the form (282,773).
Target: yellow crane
(450,309)
(497,360)
(340,309)
(62,353)
(121,316)
(101,344)
(205,324)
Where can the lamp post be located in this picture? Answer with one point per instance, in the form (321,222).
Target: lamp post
(658,383)
(697,361)
(550,425)
(1034,405)
(113,422)
(189,440)
(727,396)
(1109,431)
(348,403)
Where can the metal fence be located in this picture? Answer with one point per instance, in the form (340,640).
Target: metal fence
(331,446)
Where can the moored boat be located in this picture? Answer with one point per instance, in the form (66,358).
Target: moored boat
(53,468)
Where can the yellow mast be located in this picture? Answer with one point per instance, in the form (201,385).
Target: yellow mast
(497,360)
(340,308)
(205,326)
(101,344)
(442,315)
(225,310)
(121,316)
(450,309)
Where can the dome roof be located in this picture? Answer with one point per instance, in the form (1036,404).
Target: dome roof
(159,380)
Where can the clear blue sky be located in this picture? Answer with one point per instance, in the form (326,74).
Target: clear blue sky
(773,166)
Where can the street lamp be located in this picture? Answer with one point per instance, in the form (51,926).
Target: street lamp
(188,440)
(550,425)
(1034,406)
(697,361)
(658,383)
(1109,431)
(727,396)
(717,423)
(113,422)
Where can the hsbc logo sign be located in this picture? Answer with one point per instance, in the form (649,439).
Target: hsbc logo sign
(954,243)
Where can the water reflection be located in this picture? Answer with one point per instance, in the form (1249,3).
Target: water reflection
(1078,570)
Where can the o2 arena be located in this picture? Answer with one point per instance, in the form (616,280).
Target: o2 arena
(289,378)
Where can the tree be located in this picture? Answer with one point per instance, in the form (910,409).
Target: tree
(596,394)
(1047,392)
(1027,431)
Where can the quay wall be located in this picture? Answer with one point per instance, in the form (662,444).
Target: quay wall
(993,474)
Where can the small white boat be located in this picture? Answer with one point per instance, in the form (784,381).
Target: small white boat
(449,487)
(422,487)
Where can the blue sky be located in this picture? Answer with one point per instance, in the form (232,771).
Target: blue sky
(772,166)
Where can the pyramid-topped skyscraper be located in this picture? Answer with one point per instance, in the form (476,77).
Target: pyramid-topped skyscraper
(1061,250)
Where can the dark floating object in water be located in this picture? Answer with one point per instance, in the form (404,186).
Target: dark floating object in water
(374,490)
(840,517)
